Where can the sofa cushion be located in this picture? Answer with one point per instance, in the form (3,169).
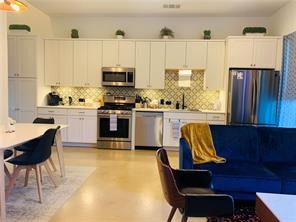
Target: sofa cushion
(277,144)
(236,142)
(287,173)
(237,176)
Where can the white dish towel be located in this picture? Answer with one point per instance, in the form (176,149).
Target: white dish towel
(175,128)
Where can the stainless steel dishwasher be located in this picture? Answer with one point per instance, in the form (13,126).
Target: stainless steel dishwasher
(149,127)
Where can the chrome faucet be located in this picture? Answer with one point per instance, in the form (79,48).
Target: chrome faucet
(183,101)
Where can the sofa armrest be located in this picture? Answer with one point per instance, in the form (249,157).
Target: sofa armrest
(208,205)
(185,155)
(193,178)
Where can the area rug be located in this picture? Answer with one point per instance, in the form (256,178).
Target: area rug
(23,203)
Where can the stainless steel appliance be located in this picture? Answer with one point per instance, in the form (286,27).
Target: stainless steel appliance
(149,129)
(115,76)
(253,96)
(115,122)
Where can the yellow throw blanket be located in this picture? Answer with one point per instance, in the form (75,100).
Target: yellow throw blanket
(199,137)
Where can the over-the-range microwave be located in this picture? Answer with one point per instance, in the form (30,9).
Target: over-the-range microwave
(116,76)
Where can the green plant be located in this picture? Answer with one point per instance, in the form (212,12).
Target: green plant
(120,32)
(166,32)
(207,34)
(254,30)
(74,34)
(19,27)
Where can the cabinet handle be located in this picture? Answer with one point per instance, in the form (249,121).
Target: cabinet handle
(81,112)
(50,111)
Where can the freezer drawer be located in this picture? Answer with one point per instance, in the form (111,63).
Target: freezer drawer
(149,129)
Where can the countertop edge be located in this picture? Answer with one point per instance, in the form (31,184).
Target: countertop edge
(177,110)
(69,107)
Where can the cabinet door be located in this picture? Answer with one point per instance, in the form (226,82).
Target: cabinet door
(80,63)
(110,53)
(12,97)
(240,53)
(175,55)
(89,129)
(94,63)
(196,55)
(74,129)
(142,65)
(126,56)
(171,134)
(214,73)
(51,62)
(66,62)
(157,65)
(12,57)
(26,53)
(265,53)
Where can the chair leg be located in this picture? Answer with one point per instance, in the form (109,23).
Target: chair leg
(38,179)
(52,164)
(27,177)
(184,218)
(40,172)
(7,173)
(50,173)
(12,181)
(172,213)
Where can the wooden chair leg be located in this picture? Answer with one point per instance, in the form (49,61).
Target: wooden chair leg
(27,177)
(50,173)
(52,164)
(172,213)
(184,218)
(7,173)
(12,181)
(38,179)
(40,172)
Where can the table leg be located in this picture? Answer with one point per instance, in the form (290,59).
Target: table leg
(2,188)
(60,152)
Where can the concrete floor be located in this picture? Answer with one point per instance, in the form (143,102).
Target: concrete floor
(125,187)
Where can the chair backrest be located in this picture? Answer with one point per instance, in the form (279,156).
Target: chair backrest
(43,150)
(168,182)
(44,120)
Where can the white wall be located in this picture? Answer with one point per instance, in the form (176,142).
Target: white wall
(149,27)
(283,22)
(39,22)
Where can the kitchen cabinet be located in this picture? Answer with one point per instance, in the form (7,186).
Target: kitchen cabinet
(173,121)
(59,62)
(87,63)
(186,55)
(118,53)
(22,56)
(150,65)
(59,115)
(82,126)
(214,73)
(259,52)
(22,99)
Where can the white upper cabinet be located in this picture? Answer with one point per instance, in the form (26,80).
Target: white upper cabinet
(59,62)
(150,65)
(214,73)
(186,55)
(252,52)
(118,53)
(22,56)
(87,63)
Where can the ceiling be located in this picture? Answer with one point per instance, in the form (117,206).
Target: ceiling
(155,7)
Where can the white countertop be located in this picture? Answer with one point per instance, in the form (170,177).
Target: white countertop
(69,107)
(176,110)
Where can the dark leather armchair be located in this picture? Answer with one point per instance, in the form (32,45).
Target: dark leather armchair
(190,191)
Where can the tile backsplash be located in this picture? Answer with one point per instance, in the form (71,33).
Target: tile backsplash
(195,96)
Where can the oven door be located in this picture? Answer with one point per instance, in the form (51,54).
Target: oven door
(122,133)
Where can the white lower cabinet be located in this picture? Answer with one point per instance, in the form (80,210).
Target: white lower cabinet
(173,121)
(82,126)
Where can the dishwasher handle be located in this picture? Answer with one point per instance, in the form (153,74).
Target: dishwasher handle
(149,114)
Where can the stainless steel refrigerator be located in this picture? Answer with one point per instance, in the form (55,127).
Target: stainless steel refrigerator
(253,96)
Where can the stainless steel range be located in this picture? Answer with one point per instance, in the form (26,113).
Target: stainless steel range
(115,122)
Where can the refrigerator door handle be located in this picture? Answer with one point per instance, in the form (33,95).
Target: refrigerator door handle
(253,105)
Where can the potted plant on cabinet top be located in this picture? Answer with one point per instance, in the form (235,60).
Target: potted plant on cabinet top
(120,34)
(74,34)
(166,33)
(261,31)
(207,34)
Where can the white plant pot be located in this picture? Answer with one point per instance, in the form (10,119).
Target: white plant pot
(165,37)
(119,36)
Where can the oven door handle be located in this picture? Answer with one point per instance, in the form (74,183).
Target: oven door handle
(118,116)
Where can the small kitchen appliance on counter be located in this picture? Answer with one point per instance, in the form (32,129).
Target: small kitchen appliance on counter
(53,99)
(115,122)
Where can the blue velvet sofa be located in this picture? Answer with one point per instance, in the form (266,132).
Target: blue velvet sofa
(258,159)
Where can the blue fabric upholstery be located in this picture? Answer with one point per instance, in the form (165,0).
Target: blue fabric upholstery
(258,159)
